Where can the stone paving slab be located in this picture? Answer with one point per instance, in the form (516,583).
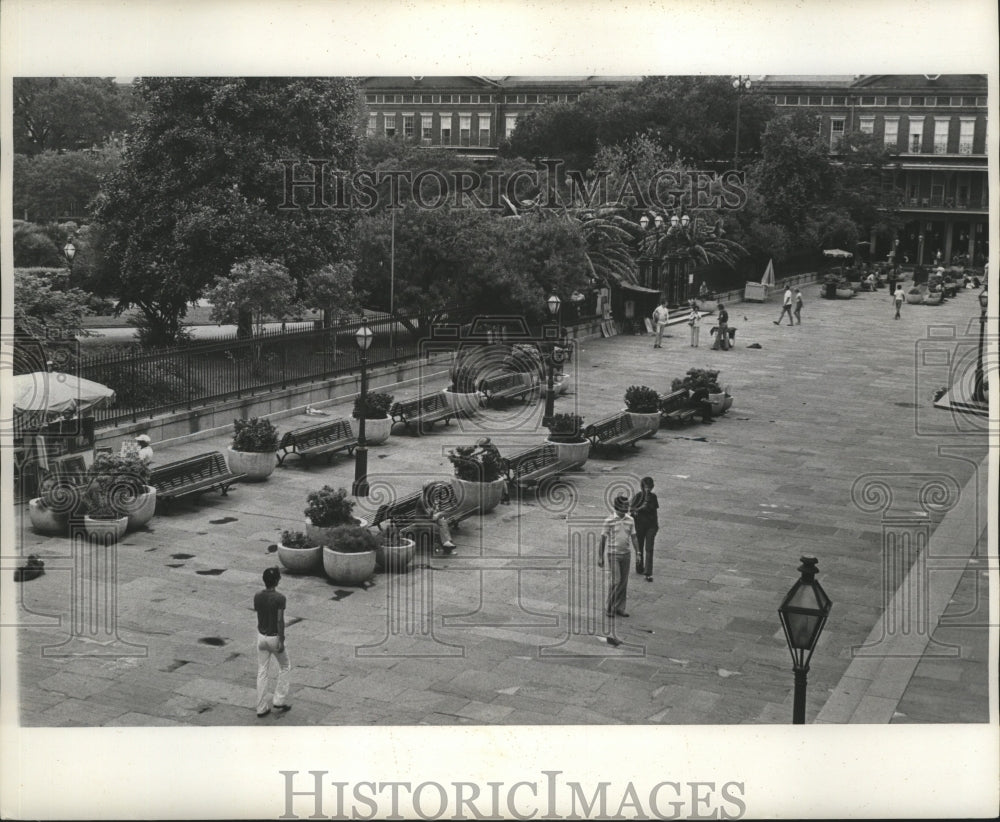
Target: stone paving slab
(817,407)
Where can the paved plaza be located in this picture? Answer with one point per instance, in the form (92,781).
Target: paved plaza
(832,449)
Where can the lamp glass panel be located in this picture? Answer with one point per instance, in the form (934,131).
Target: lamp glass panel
(364,337)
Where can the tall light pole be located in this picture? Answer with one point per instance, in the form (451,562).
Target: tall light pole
(553,303)
(363,337)
(803,613)
(979,392)
(741,83)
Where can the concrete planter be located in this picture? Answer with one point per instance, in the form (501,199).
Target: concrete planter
(395,558)
(484,496)
(914,299)
(933,298)
(645,422)
(257,465)
(141,510)
(376,431)
(348,569)
(844,293)
(464,405)
(571,454)
(105,530)
(46,521)
(301,560)
(321,534)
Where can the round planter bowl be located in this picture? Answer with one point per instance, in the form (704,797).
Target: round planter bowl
(484,496)
(376,431)
(105,530)
(257,465)
(845,293)
(301,560)
(321,534)
(395,558)
(142,509)
(44,520)
(571,454)
(648,422)
(720,403)
(933,299)
(348,569)
(914,299)
(464,405)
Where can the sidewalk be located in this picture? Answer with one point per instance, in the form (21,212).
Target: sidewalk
(498,634)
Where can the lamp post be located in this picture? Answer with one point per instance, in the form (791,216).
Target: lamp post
(553,303)
(742,85)
(979,393)
(803,613)
(657,226)
(363,337)
(69,251)
(920,249)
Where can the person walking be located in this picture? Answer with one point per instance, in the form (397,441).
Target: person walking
(270,608)
(694,321)
(786,307)
(644,511)
(660,316)
(722,332)
(897,297)
(892,281)
(618,540)
(798,306)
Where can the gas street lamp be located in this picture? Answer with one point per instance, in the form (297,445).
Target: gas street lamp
(741,84)
(363,337)
(553,303)
(69,251)
(803,613)
(979,392)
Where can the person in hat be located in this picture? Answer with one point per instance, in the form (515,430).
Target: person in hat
(145,449)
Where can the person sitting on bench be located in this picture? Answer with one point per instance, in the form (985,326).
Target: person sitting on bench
(699,399)
(428,505)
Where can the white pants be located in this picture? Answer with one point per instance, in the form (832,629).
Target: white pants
(267,647)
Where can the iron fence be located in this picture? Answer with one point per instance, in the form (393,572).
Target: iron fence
(148,383)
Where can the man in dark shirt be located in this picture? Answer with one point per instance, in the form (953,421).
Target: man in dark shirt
(270,608)
(644,512)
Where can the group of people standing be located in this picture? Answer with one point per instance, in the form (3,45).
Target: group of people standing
(791,304)
(661,318)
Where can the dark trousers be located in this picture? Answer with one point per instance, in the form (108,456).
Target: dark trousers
(645,534)
(618,585)
(786,309)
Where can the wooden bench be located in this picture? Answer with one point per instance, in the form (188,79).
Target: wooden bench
(408,516)
(676,407)
(428,409)
(192,476)
(528,468)
(506,386)
(616,430)
(324,439)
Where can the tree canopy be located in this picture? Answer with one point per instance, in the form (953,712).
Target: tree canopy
(201,186)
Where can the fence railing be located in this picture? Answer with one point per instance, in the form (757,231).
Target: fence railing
(148,383)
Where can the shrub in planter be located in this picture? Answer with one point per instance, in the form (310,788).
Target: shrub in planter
(352,539)
(475,463)
(566,428)
(698,378)
(330,507)
(114,482)
(464,380)
(255,435)
(372,406)
(641,399)
(296,540)
(349,558)
(299,553)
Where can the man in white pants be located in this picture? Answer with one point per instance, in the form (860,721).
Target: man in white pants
(270,608)
(786,308)
(660,317)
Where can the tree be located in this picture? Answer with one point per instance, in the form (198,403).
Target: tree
(201,186)
(47,311)
(331,290)
(260,288)
(68,113)
(52,185)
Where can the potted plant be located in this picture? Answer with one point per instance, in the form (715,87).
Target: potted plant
(299,554)
(707,379)
(394,552)
(349,558)
(252,451)
(374,408)
(117,495)
(49,512)
(566,433)
(327,510)
(463,394)
(915,295)
(642,404)
(479,475)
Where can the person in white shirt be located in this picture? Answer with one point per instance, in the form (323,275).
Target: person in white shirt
(786,308)
(660,317)
(897,297)
(145,449)
(619,540)
(694,320)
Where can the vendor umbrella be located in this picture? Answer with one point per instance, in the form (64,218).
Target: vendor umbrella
(55,393)
(837,252)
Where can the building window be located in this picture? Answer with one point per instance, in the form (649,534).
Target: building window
(892,101)
(531,98)
(916,134)
(967,129)
(465,98)
(407,125)
(981,101)
(904,101)
(510,123)
(941,125)
(815,100)
(370,98)
(446,129)
(956,101)
(464,129)
(372,124)
(962,196)
(389,128)
(880,101)
(868,101)
(836,134)
(867,125)
(426,128)
(890,137)
(916,101)
(425,98)
(484,129)
(840,101)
